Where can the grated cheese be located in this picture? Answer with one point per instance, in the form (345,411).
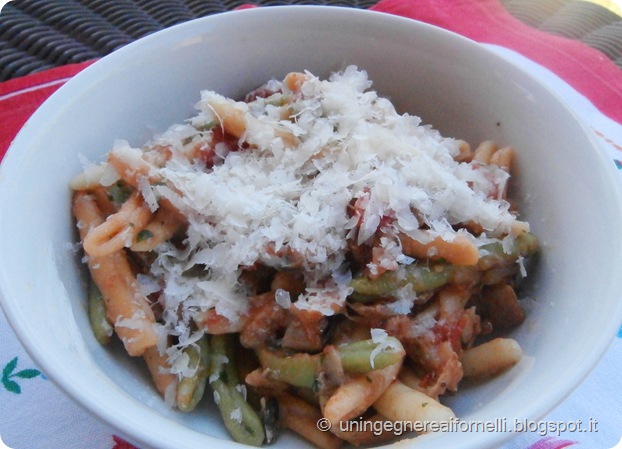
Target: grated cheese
(384,343)
(284,201)
(236,415)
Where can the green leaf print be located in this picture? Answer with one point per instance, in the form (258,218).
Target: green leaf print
(9,374)
(12,386)
(8,369)
(27,373)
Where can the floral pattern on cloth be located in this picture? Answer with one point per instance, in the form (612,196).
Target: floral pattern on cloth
(11,378)
(551,443)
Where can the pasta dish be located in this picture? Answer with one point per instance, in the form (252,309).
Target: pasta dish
(306,254)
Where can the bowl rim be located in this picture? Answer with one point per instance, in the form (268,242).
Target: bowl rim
(110,415)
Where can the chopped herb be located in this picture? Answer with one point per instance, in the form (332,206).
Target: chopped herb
(187,140)
(119,192)
(206,126)
(144,235)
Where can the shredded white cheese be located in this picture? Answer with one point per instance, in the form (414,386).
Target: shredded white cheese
(384,343)
(287,201)
(241,388)
(282,298)
(236,415)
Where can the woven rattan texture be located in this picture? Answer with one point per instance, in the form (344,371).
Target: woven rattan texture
(39,34)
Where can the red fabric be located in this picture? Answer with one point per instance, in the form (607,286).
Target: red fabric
(120,443)
(20,97)
(587,70)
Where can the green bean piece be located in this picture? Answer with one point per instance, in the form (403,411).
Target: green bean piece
(423,277)
(357,357)
(190,389)
(493,254)
(102,328)
(299,370)
(242,422)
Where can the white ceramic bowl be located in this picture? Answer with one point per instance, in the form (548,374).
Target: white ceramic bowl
(567,191)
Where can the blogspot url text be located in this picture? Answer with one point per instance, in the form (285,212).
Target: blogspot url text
(542,428)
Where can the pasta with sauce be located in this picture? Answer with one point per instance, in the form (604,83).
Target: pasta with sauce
(305,253)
